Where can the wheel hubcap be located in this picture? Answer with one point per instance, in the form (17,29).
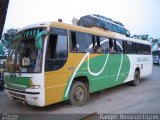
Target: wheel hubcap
(78,94)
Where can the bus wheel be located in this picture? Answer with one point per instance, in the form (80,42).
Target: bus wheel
(136,80)
(79,93)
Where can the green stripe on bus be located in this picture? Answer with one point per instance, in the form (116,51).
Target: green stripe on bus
(17,82)
(114,73)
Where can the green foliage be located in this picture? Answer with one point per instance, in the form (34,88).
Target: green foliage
(6,40)
(154,41)
(142,37)
(8,36)
(1,49)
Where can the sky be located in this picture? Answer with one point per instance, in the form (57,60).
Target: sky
(138,16)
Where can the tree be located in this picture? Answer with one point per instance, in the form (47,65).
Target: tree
(8,36)
(142,37)
(145,37)
(154,41)
(6,40)
(1,49)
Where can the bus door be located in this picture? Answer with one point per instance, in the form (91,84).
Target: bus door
(56,75)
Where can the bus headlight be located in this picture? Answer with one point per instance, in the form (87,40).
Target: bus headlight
(35,86)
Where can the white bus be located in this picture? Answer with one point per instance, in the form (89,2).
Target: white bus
(54,62)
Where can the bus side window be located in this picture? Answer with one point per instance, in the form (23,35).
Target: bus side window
(148,49)
(104,44)
(81,42)
(133,48)
(119,46)
(138,48)
(111,46)
(125,46)
(97,48)
(144,51)
(94,42)
(74,46)
(129,47)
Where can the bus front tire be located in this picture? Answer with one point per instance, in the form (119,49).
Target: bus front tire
(136,80)
(79,94)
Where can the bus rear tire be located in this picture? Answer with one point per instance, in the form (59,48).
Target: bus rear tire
(136,80)
(79,94)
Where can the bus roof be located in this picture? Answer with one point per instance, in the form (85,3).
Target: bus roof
(90,30)
(96,31)
(42,24)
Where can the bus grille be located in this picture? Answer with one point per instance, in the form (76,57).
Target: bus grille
(18,95)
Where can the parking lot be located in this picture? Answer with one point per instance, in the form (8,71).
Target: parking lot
(144,98)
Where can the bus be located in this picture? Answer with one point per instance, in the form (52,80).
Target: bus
(156,56)
(52,62)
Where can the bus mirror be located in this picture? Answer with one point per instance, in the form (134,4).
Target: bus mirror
(39,39)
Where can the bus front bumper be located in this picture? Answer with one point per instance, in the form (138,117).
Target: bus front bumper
(29,96)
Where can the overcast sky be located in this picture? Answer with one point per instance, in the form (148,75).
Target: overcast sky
(139,16)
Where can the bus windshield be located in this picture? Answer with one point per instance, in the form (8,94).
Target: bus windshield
(23,55)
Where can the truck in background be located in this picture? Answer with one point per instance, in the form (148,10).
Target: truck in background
(156,56)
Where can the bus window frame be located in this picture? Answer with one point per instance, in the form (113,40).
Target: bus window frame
(51,32)
(71,43)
